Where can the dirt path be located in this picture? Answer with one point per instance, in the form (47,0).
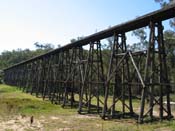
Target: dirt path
(63,123)
(20,123)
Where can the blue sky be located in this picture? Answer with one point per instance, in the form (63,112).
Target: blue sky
(24,22)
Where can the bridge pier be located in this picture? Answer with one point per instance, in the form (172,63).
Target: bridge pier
(156,50)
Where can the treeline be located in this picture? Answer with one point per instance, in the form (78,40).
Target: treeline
(9,58)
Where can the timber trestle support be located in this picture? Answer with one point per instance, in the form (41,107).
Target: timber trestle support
(108,82)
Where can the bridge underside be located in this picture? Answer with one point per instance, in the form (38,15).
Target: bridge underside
(104,81)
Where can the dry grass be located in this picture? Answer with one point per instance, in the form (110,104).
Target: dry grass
(18,107)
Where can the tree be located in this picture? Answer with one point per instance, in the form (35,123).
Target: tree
(163,4)
(143,43)
(9,58)
(76,39)
(44,46)
(169,39)
(59,45)
(1,76)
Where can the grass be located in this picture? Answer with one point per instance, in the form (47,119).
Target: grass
(14,102)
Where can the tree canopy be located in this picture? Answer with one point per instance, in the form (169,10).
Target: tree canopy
(9,58)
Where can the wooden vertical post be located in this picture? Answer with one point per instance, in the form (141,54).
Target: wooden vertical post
(149,58)
(163,78)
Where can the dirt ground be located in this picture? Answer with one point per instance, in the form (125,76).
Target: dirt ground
(23,123)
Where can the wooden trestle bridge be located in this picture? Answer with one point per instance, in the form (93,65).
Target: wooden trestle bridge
(73,75)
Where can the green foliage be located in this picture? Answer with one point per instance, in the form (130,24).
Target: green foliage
(1,76)
(46,46)
(143,43)
(9,58)
(164,3)
(76,39)
(169,37)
